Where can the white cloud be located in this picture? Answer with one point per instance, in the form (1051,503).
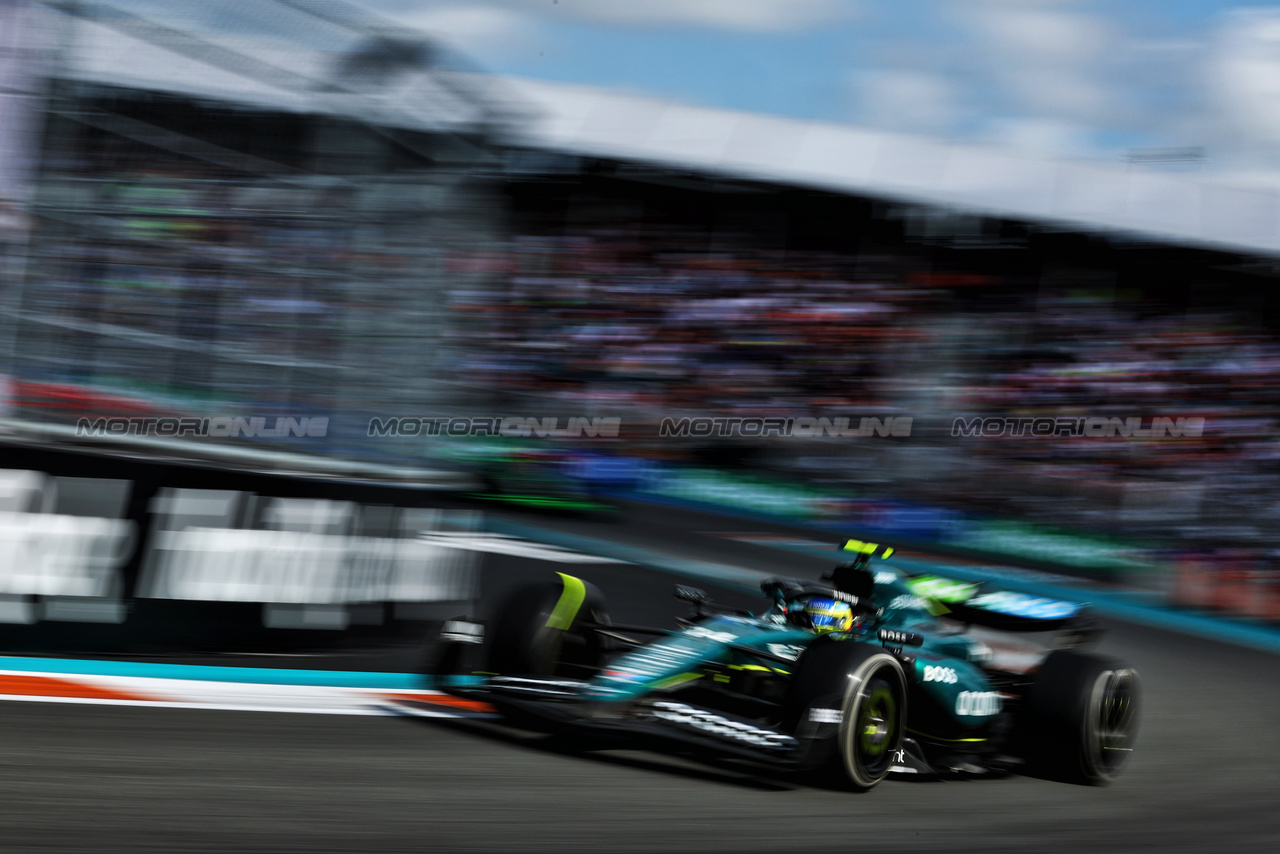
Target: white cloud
(1243,78)
(748,15)
(1032,74)
(1049,57)
(906,101)
(499,29)
(1051,91)
(1039,136)
(739,15)
(485,33)
(1042,33)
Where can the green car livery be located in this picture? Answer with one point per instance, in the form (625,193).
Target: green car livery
(869,670)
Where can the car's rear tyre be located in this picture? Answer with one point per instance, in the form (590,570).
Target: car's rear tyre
(543,630)
(862,690)
(1079,721)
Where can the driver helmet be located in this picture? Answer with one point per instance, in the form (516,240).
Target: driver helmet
(822,614)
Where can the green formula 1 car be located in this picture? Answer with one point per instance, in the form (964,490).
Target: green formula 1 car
(870,671)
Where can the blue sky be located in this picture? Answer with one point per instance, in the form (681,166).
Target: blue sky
(1079,78)
(1095,79)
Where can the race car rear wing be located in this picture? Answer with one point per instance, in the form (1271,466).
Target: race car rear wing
(970,601)
(854,577)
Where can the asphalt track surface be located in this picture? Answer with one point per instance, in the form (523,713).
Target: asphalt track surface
(81,778)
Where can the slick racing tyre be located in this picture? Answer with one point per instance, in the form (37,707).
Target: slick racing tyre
(873,721)
(1079,721)
(862,690)
(543,630)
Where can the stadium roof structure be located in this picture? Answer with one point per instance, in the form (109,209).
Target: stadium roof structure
(1177,207)
(116,48)
(1182,208)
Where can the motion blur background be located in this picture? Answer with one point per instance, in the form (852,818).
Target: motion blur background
(309,209)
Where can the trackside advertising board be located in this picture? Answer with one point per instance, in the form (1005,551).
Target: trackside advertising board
(105,551)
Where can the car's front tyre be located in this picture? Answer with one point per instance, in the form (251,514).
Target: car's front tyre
(850,698)
(544,630)
(873,720)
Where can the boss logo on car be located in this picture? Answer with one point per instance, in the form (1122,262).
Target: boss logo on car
(978,703)
(940,674)
(897,638)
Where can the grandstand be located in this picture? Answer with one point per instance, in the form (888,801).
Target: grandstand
(349,222)
(231,222)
